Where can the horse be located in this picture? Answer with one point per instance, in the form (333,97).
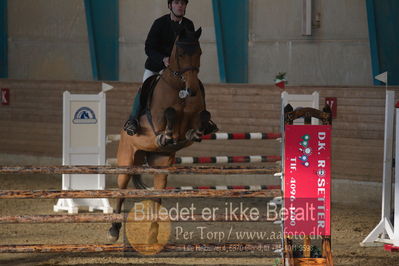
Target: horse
(175,118)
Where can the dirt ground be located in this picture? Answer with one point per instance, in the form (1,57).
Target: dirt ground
(349,226)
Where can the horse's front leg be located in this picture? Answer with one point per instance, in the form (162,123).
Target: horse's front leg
(196,134)
(125,158)
(167,137)
(113,232)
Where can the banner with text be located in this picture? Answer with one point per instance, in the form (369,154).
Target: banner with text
(307,180)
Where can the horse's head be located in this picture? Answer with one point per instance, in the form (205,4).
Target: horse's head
(185,58)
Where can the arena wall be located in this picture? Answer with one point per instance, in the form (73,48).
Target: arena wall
(48,41)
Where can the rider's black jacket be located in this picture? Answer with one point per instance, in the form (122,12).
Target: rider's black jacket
(160,40)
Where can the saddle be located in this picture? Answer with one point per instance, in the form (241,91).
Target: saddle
(146,91)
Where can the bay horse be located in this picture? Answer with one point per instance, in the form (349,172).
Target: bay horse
(176,117)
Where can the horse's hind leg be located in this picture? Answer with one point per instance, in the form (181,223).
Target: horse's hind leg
(160,181)
(126,157)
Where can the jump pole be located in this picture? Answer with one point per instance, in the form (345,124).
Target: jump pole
(97,248)
(110,218)
(137,193)
(104,169)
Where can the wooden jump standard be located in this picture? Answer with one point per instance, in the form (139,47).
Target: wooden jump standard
(325,117)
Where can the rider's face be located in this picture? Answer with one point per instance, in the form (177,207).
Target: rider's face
(179,7)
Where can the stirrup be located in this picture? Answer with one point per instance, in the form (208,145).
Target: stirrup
(211,128)
(131,126)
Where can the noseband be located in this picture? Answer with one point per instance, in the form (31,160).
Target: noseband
(179,74)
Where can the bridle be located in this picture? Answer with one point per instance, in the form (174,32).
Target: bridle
(178,74)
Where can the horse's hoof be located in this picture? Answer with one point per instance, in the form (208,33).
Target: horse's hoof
(112,236)
(113,232)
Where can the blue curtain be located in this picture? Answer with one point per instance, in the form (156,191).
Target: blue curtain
(3,40)
(231,28)
(383,23)
(102,18)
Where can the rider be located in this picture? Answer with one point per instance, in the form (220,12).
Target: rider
(158,47)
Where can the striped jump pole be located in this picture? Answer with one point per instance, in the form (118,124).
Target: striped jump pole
(238,136)
(228,159)
(218,159)
(103,169)
(250,188)
(222,136)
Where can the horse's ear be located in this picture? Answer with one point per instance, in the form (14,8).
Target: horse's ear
(198,33)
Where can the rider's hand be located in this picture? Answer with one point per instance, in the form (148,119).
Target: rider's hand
(166,61)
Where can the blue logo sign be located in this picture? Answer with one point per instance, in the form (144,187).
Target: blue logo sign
(84,115)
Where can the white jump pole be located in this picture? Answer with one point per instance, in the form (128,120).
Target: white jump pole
(396,191)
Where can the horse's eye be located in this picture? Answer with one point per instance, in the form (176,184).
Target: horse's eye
(181,55)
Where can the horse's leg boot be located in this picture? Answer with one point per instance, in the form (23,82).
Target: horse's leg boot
(166,138)
(211,128)
(162,140)
(194,135)
(131,126)
(207,125)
